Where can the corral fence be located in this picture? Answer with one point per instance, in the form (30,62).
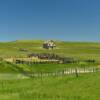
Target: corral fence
(26,60)
(47,58)
(40,58)
(67,71)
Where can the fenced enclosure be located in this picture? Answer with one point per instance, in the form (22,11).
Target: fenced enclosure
(75,70)
(68,71)
(40,58)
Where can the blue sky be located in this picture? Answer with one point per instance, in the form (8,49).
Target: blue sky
(69,20)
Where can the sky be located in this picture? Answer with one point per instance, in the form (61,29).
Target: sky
(68,20)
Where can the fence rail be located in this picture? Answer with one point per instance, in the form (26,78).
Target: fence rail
(67,71)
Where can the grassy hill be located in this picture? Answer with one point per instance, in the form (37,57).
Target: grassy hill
(8,68)
(85,87)
(81,50)
(77,50)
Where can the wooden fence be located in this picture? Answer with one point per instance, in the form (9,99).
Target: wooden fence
(29,60)
(67,71)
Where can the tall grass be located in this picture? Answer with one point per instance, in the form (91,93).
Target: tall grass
(85,87)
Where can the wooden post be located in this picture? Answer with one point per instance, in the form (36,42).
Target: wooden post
(84,69)
(76,72)
(93,69)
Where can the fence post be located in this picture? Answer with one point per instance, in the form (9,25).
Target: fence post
(76,72)
(63,73)
(84,69)
(93,69)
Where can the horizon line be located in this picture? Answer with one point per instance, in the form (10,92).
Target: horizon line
(90,41)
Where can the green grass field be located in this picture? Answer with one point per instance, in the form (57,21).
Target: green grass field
(85,87)
(7,67)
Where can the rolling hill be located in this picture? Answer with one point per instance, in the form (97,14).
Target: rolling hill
(80,50)
(68,87)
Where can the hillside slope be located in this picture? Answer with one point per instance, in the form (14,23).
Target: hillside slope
(79,50)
